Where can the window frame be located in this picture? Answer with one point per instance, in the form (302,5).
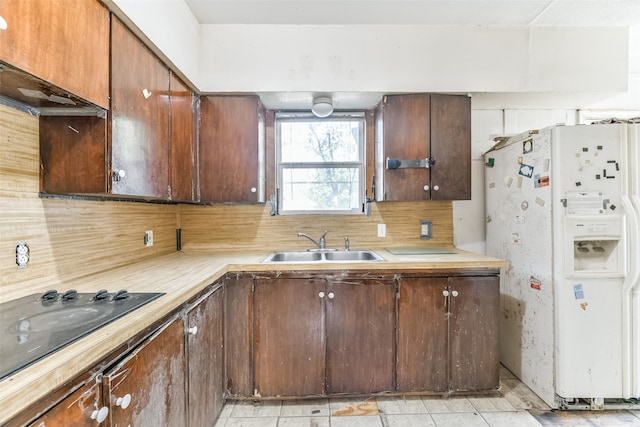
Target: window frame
(360,164)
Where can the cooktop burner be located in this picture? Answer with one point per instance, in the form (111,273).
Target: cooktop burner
(37,325)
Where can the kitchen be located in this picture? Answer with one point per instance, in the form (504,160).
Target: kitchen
(70,240)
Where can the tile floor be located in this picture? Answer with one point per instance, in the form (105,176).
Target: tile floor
(513,406)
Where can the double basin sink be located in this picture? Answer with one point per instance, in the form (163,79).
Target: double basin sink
(327,255)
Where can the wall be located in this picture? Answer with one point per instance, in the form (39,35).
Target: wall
(67,238)
(251,228)
(410,58)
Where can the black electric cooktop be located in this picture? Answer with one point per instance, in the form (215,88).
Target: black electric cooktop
(37,325)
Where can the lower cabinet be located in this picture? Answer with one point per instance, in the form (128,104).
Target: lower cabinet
(81,408)
(448,333)
(317,336)
(148,386)
(205,358)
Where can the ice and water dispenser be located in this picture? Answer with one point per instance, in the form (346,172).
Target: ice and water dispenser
(594,237)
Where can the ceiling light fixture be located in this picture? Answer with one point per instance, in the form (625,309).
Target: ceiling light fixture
(322,106)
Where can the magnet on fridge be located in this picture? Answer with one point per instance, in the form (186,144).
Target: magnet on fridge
(585,149)
(540,202)
(578,291)
(490,162)
(527,146)
(520,160)
(541,181)
(526,170)
(578,184)
(535,283)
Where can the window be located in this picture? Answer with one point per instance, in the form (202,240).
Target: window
(320,163)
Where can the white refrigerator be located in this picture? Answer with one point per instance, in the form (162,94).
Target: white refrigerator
(562,209)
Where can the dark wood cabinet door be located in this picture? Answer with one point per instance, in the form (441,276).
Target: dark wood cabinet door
(405,126)
(475,303)
(360,336)
(64,42)
(139,117)
(153,378)
(451,147)
(289,333)
(238,334)
(182,142)
(205,360)
(73,154)
(229,133)
(422,335)
(75,410)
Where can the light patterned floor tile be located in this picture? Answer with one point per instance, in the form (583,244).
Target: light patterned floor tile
(220,422)
(520,396)
(401,405)
(309,408)
(491,404)
(248,408)
(436,404)
(303,422)
(467,419)
(227,408)
(362,421)
(586,418)
(364,406)
(510,419)
(252,422)
(409,420)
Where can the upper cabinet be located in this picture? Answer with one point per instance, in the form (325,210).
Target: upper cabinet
(63,42)
(423,147)
(182,145)
(147,147)
(231,132)
(139,117)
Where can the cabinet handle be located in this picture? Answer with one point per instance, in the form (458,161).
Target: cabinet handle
(254,189)
(445,293)
(454,293)
(321,294)
(425,188)
(331,295)
(118,175)
(100,414)
(436,187)
(124,401)
(192,330)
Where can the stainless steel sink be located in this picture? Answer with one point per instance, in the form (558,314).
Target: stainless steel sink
(315,256)
(353,256)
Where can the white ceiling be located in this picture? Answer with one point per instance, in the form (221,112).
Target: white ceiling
(419,12)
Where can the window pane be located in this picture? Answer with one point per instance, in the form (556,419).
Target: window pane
(315,141)
(320,189)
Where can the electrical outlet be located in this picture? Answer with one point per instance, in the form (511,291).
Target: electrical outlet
(426,229)
(148,238)
(22,254)
(382,230)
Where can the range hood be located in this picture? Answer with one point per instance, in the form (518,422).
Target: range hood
(24,91)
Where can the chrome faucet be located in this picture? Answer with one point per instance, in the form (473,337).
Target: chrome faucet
(321,244)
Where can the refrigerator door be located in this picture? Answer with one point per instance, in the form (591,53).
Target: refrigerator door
(591,232)
(518,208)
(632,365)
